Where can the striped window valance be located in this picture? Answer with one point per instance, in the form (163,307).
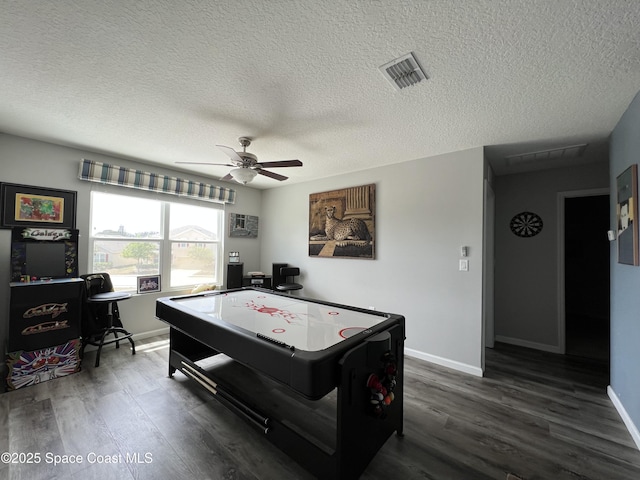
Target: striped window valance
(93,171)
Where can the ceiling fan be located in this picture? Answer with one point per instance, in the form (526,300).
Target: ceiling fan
(247,165)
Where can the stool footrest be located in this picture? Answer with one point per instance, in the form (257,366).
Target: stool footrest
(98,340)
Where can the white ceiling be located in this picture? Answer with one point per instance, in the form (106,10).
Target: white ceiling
(166,80)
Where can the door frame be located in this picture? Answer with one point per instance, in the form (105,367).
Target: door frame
(562,196)
(488,265)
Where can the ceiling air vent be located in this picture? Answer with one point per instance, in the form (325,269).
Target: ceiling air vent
(572,151)
(403,72)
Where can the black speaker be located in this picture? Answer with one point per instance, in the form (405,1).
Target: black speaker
(234,275)
(276,278)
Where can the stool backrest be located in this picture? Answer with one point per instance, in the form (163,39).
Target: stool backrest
(95,316)
(289,271)
(94,284)
(97,283)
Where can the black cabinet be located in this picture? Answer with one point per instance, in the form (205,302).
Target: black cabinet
(44,331)
(262,282)
(234,275)
(278,279)
(44,314)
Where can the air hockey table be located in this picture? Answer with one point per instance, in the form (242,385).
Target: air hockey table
(312,348)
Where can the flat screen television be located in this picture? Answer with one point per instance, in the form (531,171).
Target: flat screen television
(45,260)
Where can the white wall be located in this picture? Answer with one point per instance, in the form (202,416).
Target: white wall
(31,162)
(425,211)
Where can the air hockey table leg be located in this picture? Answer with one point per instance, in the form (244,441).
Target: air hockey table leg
(361,432)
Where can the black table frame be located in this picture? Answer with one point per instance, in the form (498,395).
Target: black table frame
(359,434)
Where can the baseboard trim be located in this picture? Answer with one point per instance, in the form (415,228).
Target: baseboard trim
(445,362)
(137,336)
(525,343)
(151,333)
(633,430)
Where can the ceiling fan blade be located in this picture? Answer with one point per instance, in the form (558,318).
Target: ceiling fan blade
(231,153)
(267,173)
(227,177)
(207,163)
(281,163)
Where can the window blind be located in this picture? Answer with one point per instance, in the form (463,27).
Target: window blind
(100,172)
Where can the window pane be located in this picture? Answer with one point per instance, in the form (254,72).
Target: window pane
(193,263)
(189,223)
(119,216)
(130,237)
(124,261)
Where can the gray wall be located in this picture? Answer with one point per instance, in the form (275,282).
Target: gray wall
(526,269)
(625,284)
(31,162)
(425,211)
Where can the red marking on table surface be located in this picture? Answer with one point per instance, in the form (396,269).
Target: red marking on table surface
(287,316)
(350,331)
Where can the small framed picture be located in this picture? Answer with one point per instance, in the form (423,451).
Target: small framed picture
(627,216)
(149,284)
(241,225)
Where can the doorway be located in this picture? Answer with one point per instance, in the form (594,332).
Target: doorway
(586,276)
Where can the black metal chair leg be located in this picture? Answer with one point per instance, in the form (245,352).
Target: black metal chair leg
(100,345)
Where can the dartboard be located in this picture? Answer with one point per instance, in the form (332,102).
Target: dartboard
(526,224)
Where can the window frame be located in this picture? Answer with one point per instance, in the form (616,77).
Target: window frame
(165,242)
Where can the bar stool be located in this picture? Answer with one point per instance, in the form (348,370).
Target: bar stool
(289,286)
(103,315)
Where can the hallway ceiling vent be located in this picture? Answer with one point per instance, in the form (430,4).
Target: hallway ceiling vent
(571,151)
(403,72)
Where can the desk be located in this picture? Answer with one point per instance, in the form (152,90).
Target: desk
(310,347)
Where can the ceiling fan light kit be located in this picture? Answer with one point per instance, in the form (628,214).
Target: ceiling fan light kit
(243,175)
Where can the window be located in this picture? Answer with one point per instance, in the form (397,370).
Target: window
(100,257)
(132,236)
(194,235)
(240,222)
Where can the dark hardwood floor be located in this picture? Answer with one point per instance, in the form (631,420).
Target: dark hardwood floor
(588,336)
(535,415)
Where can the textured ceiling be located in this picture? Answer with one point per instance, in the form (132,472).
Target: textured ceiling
(164,81)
